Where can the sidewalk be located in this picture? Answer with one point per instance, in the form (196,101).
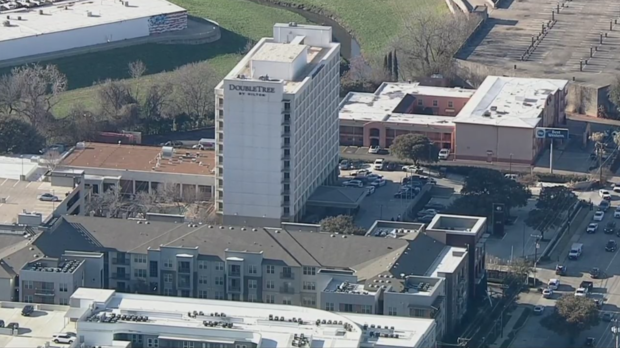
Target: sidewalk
(508,328)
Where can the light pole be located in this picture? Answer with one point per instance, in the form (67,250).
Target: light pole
(510,171)
(615,331)
(537,237)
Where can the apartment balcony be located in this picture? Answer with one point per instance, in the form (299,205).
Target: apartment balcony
(45,292)
(285,157)
(287,290)
(184,270)
(121,276)
(121,262)
(184,285)
(234,288)
(235,274)
(286,122)
(286,180)
(287,275)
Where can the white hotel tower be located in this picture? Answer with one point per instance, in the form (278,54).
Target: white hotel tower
(277,126)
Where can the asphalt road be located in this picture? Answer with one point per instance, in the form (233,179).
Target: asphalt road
(607,289)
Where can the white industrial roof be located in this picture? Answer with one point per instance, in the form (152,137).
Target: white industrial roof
(56,18)
(170,316)
(509,101)
(380,105)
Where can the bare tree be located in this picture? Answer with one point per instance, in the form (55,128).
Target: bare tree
(201,212)
(195,83)
(80,124)
(157,105)
(115,99)
(430,42)
(51,159)
(31,91)
(136,69)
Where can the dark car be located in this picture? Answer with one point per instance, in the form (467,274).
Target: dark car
(608,316)
(590,341)
(426,219)
(1,323)
(560,270)
(610,228)
(27,310)
(405,194)
(435,206)
(611,245)
(391,166)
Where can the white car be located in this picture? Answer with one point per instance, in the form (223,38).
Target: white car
(581,292)
(371,190)
(63,338)
(605,194)
(539,310)
(592,228)
(374,149)
(48,197)
(412,169)
(554,284)
(378,183)
(373,176)
(598,216)
(617,213)
(616,189)
(378,165)
(360,172)
(547,293)
(444,154)
(353,183)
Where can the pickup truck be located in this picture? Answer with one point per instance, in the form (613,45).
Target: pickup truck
(584,289)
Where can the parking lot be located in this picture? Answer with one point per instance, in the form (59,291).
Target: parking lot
(607,288)
(381,205)
(35,330)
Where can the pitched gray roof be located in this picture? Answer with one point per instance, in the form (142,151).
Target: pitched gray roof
(369,256)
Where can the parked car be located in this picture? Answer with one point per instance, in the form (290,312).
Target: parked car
(371,190)
(605,194)
(599,216)
(538,310)
(48,197)
(611,245)
(378,183)
(378,165)
(604,205)
(427,212)
(617,213)
(1,323)
(344,165)
(436,206)
(374,149)
(27,310)
(413,169)
(360,172)
(608,316)
(592,228)
(595,273)
(63,338)
(553,284)
(560,270)
(444,154)
(405,194)
(391,166)
(353,183)
(616,189)
(547,293)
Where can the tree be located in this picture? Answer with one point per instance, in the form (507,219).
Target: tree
(573,315)
(483,187)
(136,69)
(116,101)
(156,108)
(415,147)
(194,85)
(520,269)
(555,198)
(30,91)
(341,224)
(19,137)
(430,42)
(363,76)
(613,92)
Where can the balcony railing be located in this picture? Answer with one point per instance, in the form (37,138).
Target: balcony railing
(121,276)
(234,273)
(287,290)
(185,270)
(122,262)
(44,292)
(287,275)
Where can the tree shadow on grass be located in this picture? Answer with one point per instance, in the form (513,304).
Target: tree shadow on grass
(85,69)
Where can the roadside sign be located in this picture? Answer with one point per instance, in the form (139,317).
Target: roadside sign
(551,133)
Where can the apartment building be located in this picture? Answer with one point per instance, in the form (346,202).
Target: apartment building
(108,318)
(413,275)
(277,126)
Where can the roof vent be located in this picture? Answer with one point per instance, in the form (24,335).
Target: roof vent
(486,113)
(242,228)
(254,230)
(139,222)
(231,228)
(126,3)
(344,236)
(41,12)
(221,227)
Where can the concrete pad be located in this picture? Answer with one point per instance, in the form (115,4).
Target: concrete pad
(36,329)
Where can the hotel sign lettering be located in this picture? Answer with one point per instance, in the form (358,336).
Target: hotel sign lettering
(258,91)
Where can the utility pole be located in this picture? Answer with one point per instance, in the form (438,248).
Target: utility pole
(538,237)
(510,171)
(599,152)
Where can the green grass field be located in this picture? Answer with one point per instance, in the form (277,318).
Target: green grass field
(374,24)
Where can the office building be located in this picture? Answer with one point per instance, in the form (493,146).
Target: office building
(277,126)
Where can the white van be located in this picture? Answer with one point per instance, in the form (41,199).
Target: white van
(575,251)
(205,144)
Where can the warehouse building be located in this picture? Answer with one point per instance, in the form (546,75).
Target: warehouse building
(44,27)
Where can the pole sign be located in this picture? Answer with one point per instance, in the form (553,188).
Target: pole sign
(551,133)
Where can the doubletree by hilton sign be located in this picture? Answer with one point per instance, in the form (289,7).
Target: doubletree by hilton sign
(258,91)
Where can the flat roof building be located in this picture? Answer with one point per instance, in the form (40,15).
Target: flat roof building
(107,318)
(143,168)
(277,126)
(505,109)
(43,27)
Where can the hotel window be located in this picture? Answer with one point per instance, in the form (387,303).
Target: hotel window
(252,298)
(167,278)
(419,313)
(152,342)
(252,269)
(140,273)
(219,295)
(188,344)
(63,301)
(450,104)
(286,301)
(308,302)
(420,102)
(28,298)
(139,259)
(219,266)
(435,103)
(271,269)
(392,311)
(62,287)
(270,299)
(366,309)
(27,284)
(202,280)
(168,263)
(329,306)
(309,270)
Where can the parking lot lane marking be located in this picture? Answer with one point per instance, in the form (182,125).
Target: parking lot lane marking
(612,261)
(3,182)
(16,183)
(29,184)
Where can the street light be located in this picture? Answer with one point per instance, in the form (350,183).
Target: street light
(510,164)
(615,331)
